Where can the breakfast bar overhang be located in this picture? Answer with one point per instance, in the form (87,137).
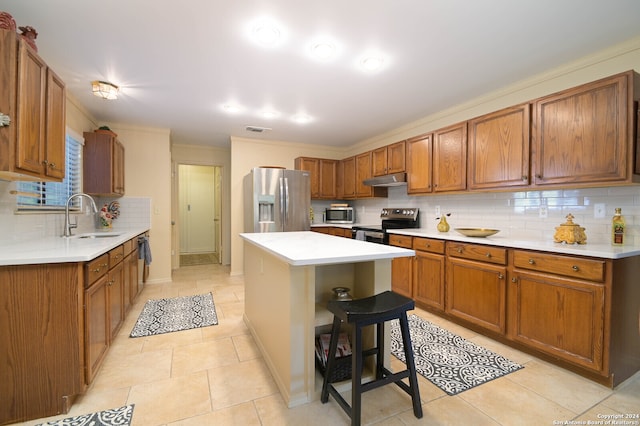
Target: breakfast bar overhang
(288,280)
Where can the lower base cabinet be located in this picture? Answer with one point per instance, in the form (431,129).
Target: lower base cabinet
(96,325)
(559,316)
(429,273)
(576,311)
(402,267)
(41,350)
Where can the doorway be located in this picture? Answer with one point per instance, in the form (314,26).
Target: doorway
(199,208)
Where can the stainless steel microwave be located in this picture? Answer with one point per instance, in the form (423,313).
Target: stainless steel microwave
(339,215)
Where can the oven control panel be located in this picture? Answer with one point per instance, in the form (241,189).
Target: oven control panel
(410,213)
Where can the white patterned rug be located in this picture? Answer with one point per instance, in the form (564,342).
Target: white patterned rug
(447,360)
(176,314)
(114,417)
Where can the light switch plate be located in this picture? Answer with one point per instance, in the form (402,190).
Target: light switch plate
(599,210)
(543,212)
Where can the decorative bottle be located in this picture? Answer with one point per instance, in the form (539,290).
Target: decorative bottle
(617,228)
(443,225)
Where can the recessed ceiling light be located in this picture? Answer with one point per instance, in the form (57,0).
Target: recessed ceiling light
(323,50)
(301,118)
(231,108)
(269,114)
(266,33)
(372,63)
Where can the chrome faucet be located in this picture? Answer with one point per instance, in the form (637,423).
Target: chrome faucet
(68,226)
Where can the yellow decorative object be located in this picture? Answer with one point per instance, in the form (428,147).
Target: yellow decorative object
(570,232)
(443,225)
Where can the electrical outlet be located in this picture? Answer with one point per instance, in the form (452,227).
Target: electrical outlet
(438,211)
(543,212)
(599,210)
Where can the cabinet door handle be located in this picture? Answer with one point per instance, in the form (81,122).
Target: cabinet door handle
(95,270)
(459,250)
(52,165)
(525,177)
(532,262)
(488,255)
(575,268)
(500,276)
(514,280)
(104,265)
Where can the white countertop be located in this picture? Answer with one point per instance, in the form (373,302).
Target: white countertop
(62,250)
(606,251)
(313,248)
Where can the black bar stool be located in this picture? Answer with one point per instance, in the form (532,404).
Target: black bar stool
(359,313)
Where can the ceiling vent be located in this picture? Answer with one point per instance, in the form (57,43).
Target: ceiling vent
(256,129)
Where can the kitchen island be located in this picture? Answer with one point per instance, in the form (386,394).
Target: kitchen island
(288,280)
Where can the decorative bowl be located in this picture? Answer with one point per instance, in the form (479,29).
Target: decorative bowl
(477,232)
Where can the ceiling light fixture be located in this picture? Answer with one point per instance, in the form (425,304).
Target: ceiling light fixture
(231,108)
(266,33)
(323,50)
(269,114)
(301,118)
(104,89)
(372,63)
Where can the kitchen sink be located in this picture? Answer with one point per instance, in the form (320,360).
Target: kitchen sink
(97,235)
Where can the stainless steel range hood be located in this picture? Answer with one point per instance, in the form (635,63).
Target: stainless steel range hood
(395,179)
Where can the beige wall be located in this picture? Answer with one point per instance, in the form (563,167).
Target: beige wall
(203,156)
(147,171)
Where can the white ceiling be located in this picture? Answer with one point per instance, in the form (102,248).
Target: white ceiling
(178,62)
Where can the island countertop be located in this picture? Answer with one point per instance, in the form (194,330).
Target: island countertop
(313,248)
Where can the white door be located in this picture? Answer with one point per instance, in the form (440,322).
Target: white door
(197,209)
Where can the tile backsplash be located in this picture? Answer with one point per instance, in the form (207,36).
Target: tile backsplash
(134,212)
(519,214)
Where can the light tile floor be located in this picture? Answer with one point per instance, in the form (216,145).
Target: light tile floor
(216,376)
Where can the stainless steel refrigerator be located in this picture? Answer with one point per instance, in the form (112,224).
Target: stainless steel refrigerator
(276,200)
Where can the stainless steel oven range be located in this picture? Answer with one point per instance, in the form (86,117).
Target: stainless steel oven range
(392,218)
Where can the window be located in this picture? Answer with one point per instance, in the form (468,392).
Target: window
(52,196)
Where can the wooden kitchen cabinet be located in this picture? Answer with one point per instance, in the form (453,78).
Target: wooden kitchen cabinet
(346,178)
(323,176)
(103,164)
(32,147)
(499,149)
(41,353)
(402,267)
(420,164)
(115,286)
(389,159)
(429,273)
(585,135)
(363,172)
(476,284)
(450,158)
(104,307)
(557,305)
(96,299)
(131,287)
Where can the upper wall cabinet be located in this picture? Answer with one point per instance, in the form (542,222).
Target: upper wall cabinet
(103,164)
(450,158)
(419,164)
(499,149)
(364,171)
(323,176)
(388,159)
(585,135)
(32,145)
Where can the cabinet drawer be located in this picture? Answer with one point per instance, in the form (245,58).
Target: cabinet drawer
(575,267)
(128,246)
(428,244)
(116,255)
(478,252)
(96,269)
(400,240)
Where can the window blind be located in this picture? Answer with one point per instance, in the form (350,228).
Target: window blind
(52,196)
